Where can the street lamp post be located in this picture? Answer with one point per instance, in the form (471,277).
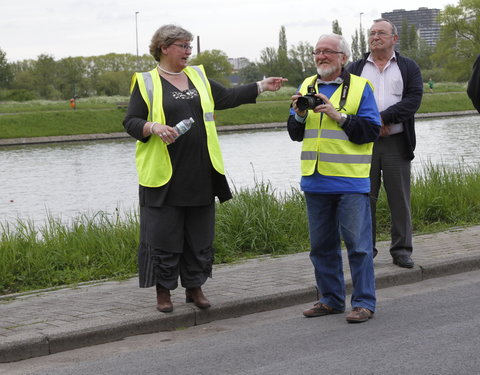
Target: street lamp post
(362,46)
(136,35)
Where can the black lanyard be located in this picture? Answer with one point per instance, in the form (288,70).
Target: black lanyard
(345,88)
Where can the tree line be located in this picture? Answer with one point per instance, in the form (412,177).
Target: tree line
(110,74)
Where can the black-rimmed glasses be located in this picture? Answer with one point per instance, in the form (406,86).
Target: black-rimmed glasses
(380,34)
(326,52)
(186,47)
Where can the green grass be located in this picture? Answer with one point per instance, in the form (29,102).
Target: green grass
(108,102)
(260,221)
(446,87)
(56,254)
(445,102)
(260,113)
(441,197)
(101,115)
(42,124)
(256,221)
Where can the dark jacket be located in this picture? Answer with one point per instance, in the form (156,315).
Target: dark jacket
(404,110)
(473,89)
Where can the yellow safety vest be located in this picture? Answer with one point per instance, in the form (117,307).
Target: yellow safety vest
(326,145)
(153,162)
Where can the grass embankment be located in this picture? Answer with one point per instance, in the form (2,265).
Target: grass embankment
(257,221)
(101,115)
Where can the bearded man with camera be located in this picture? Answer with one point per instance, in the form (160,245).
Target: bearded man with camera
(335,116)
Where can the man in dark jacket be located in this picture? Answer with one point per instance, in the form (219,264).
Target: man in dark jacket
(473,89)
(398,89)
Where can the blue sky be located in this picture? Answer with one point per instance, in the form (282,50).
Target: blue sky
(240,28)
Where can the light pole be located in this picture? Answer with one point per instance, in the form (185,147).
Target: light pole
(361,20)
(136,35)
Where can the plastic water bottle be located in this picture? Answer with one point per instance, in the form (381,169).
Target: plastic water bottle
(183,126)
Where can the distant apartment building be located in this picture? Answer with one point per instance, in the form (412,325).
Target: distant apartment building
(425,21)
(238,63)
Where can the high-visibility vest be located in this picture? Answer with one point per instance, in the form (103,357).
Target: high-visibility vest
(153,162)
(326,145)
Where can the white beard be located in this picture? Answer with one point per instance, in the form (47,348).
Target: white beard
(325,71)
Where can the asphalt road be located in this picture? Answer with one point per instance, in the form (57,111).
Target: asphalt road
(429,327)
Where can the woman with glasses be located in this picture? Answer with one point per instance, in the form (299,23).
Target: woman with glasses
(179,177)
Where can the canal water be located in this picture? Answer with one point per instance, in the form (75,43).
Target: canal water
(66,180)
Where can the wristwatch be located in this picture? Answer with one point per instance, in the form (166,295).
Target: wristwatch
(343,118)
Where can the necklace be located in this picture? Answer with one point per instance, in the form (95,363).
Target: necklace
(169,73)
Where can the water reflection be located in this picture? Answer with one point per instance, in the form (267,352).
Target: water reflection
(67,180)
(450,141)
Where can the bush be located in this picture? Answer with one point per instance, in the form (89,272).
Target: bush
(17,95)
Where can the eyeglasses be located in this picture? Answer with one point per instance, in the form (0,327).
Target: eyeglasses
(380,34)
(327,52)
(186,47)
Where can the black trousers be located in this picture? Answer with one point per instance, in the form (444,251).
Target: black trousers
(390,165)
(176,241)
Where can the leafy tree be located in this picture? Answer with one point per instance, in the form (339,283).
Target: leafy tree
(362,43)
(269,62)
(250,73)
(421,53)
(408,37)
(72,77)
(412,38)
(459,41)
(23,73)
(282,53)
(302,59)
(294,64)
(336,29)
(355,47)
(216,65)
(404,37)
(285,66)
(144,63)
(45,77)
(6,74)
(113,83)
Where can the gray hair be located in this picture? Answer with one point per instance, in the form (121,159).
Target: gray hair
(166,36)
(342,43)
(394,28)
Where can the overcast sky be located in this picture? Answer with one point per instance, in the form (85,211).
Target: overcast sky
(240,28)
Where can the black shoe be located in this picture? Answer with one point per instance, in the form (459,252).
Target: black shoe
(375,252)
(403,261)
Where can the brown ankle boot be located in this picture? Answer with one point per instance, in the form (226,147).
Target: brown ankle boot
(196,296)
(164,303)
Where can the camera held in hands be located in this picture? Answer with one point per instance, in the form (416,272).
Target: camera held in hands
(309,100)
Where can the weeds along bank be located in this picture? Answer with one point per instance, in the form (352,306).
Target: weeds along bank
(257,221)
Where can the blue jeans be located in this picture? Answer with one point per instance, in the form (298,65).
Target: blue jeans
(332,217)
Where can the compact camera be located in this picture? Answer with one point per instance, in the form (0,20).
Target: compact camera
(309,100)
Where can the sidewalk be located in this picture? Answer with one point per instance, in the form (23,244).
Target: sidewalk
(47,322)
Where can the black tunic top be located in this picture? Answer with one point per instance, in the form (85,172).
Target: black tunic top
(194,180)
